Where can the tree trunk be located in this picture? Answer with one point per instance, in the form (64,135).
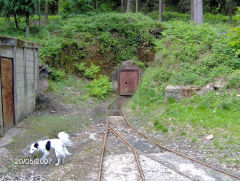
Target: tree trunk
(160,11)
(16,21)
(27,25)
(46,11)
(230,3)
(8,19)
(136,6)
(129,6)
(59,7)
(198,11)
(122,6)
(96,4)
(39,13)
(192,10)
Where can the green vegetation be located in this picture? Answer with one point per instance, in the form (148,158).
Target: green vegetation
(208,17)
(194,55)
(103,39)
(92,71)
(47,125)
(100,87)
(71,89)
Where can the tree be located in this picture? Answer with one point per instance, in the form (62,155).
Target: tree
(39,13)
(160,10)
(197,11)
(26,8)
(129,6)
(96,5)
(46,11)
(192,10)
(136,6)
(230,10)
(122,6)
(59,4)
(10,8)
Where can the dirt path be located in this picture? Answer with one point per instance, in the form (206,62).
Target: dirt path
(119,163)
(82,165)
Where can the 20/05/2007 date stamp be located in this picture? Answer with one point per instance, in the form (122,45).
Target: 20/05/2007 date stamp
(29,161)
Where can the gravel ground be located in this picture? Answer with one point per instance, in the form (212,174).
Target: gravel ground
(184,145)
(119,162)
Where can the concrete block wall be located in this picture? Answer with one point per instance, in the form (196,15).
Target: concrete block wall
(1,116)
(19,84)
(25,63)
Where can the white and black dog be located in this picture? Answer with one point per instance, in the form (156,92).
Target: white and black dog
(59,145)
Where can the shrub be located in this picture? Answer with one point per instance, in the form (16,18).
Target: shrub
(57,75)
(80,67)
(100,87)
(92,71)
(234,37)
(234,81)
(77,6)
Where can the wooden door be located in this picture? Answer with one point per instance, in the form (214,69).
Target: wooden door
(128,82)
(7,92)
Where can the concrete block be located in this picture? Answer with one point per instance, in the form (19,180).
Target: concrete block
(9,52)
(20,84)
(29,58)
(20,97)
(20,90)
(19,61)
(19,70)
(29,109)
(20,77)
(19,52)
(20,114)
(30,94)
(1,117)
(29,51)
(29,71)
(180,92)
(29,65)
(2,51)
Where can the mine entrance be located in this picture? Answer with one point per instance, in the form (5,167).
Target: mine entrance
(128,81)
(7,92)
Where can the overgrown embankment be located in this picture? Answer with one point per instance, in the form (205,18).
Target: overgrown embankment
(94,44)
(103,39)
(195,55)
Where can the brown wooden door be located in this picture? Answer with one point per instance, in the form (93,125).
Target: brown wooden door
(128,82)
(7,92)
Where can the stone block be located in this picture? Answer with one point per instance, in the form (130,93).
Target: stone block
(180,92)
(9,52)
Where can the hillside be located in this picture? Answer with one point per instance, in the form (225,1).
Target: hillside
(175,52)
(189,55)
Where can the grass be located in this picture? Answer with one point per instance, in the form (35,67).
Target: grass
(70,91)
(193,55)
(47,125)
(208,18)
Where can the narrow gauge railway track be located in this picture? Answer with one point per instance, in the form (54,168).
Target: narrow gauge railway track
(114,109)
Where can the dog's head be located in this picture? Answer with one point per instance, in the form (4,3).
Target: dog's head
(33,148)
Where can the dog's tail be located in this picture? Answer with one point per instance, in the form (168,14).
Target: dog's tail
(65,138)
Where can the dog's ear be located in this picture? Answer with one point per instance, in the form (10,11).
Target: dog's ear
(36,145)
(48,145)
